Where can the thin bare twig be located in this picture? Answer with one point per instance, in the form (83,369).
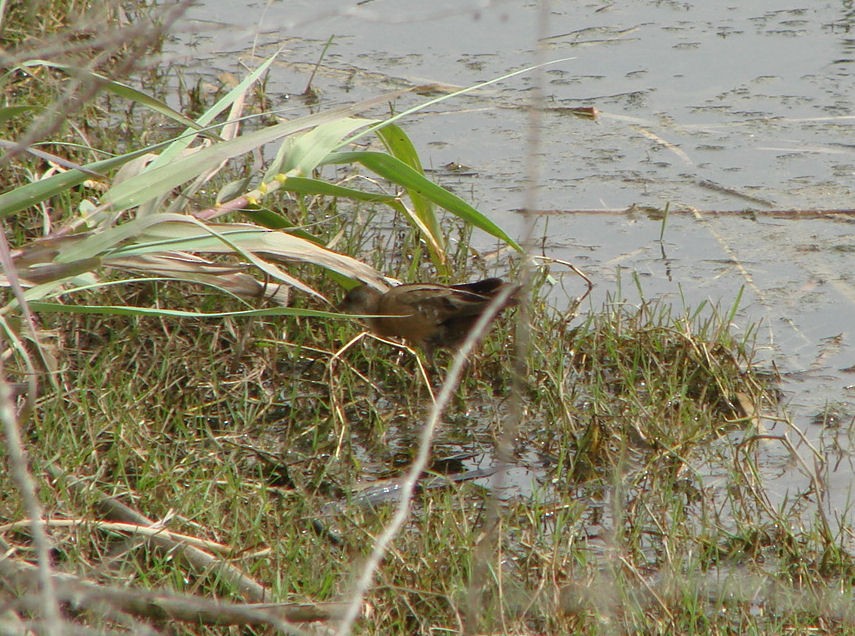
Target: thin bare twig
(489,543)
(17,457)
(200,561)
(130,528)
(418,466)
(82,594)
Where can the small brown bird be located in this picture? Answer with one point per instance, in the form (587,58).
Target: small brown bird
(428,315)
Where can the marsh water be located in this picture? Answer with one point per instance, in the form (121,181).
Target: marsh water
(739,118)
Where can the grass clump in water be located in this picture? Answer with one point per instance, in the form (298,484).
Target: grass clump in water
(640,378)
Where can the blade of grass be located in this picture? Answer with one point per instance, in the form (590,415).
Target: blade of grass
(225,102)
(130,310)
(463,91)
(119,89)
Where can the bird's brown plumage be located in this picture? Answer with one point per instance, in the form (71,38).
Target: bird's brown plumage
(428,315)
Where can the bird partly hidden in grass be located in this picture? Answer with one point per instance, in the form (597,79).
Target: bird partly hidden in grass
(428,315)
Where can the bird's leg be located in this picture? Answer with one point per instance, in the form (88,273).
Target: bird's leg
(425,375)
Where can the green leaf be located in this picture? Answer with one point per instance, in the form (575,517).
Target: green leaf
(399,146)
(34,193)
(10,112)
(301,185)
(398,172)
(154,183)
(300,156)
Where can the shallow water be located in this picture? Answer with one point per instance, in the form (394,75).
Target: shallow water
(712,110)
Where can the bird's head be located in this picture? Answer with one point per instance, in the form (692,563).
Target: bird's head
(360,300)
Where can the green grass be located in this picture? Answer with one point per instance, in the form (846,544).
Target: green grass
(646,513)
(638,501)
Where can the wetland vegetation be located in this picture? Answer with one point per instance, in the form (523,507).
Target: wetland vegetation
(210,451)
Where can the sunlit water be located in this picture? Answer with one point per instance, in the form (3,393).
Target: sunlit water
(703,107)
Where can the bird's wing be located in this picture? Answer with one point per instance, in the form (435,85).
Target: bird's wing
(434,303)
